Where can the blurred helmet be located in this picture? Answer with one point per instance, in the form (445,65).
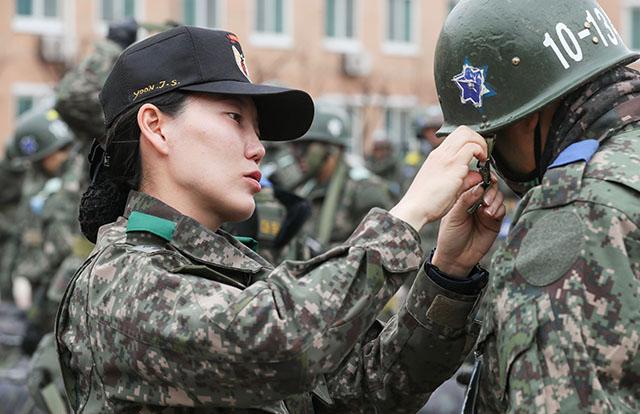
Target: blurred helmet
(381,139)
(40,132)
(498,61)
(429,117)
(330,125)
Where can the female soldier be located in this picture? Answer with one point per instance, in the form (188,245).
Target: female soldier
(171,314)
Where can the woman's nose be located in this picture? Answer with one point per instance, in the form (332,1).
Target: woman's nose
(255,150)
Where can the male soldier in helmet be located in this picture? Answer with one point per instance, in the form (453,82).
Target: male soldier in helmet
(426,121)
(341,192)
(42,143)
(548,80)
(49,214)
(384,161)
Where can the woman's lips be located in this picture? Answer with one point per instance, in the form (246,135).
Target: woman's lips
(256,175)
(254,179)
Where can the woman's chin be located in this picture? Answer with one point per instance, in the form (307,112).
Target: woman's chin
(242,212)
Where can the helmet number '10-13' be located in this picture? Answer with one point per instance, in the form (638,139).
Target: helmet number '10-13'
(573,50)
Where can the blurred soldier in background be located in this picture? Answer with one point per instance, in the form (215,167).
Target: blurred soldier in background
(12,174)
(45,141)
(426,122)
(42,142)
(340,191)
(384,160)
(561,329)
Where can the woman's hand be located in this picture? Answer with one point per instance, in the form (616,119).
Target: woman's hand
(442,178)
(464,238)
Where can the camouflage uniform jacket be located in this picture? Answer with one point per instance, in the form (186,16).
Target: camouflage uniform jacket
(168,316)
(562,316)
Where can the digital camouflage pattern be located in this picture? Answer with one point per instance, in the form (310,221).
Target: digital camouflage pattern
(561,330)
(177,318)
(77,93)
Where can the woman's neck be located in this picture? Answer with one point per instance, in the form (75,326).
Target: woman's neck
(186,203)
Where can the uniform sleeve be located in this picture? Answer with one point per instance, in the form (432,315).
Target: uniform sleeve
(176,339)
(398,365)
(561,329)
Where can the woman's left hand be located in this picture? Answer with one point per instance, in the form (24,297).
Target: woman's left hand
(463,238)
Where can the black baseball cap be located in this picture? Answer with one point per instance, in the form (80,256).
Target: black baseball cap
(201,60)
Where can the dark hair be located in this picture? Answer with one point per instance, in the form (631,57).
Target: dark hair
(120,170)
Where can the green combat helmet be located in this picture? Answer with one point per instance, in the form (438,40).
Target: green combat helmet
(330,125)
(39,133)
(498,61)
(330,131)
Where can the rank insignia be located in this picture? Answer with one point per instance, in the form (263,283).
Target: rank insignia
(472,84)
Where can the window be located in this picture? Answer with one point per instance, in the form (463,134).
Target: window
(401,27)
(28,95)
(38,16)
(634,31)
(205,13)
(397,125)
(355,118)
(340,26)
(399,21)
(340,19)
(270,16)
(23,104)
(114,10)
(271,24)
(37,8)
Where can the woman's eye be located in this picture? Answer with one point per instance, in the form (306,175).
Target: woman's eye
(235,116)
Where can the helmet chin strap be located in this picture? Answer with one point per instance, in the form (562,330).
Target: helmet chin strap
(520,183)
(537,150)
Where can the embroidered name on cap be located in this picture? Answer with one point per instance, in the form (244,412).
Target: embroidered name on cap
(155,86)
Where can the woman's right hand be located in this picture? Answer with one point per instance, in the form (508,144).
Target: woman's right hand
(443,177)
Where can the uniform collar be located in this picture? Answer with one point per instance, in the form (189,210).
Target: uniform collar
(197,242)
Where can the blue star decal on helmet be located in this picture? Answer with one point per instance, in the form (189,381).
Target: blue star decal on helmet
(472,84)
(28,145)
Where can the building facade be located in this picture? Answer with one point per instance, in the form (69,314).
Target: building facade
(375,57)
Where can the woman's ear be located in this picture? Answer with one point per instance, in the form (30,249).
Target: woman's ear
(151,122)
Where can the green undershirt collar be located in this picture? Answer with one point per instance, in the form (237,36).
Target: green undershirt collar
(248,241)
(162,228)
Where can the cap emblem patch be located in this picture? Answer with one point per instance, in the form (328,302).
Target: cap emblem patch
(472,84)
(237,53)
